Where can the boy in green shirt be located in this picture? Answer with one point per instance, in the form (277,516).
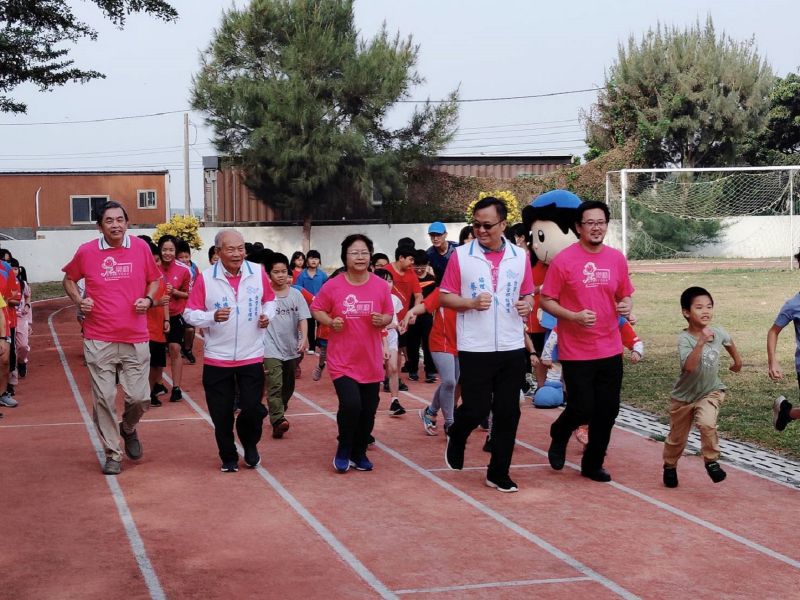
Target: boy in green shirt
(699,392)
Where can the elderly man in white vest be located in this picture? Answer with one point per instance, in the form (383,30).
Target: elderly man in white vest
(232,301)
(488,281)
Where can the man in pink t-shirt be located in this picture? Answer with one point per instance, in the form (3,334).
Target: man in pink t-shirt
(121,278)
(587,288)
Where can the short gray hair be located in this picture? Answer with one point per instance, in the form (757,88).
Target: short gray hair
(222,233)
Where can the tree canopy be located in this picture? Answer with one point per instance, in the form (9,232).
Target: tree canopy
(291,90)
(690,98)
(33,35)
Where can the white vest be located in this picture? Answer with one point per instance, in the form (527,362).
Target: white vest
(238,338)
(499,328)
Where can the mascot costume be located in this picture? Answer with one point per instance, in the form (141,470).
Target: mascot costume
(550,223)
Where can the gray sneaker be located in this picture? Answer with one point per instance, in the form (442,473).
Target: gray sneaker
(112,467)
(8,401)
(133,447)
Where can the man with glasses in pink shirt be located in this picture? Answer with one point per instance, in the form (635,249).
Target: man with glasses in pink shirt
(587,288)
(121,280)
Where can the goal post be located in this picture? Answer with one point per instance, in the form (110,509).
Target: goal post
(746,212)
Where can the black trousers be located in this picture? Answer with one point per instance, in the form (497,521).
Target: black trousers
(490,381)
(312,333)
(416,336)
(594,389)
(220,384)
(358,403)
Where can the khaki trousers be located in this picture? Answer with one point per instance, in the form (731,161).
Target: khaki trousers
(704,412)
(132,362)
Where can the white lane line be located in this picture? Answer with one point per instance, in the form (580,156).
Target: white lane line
(683,514)
(675,511)
(137,545)
(494,584)
(502,519)
(344,553)
(483,468)
(40,425)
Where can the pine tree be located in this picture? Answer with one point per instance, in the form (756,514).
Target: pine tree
(291,90)
(690,98)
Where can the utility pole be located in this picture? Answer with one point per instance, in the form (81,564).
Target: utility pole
(187,201)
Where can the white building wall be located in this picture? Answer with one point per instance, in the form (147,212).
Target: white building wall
(744,237)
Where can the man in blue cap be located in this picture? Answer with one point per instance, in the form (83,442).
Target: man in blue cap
(440,250)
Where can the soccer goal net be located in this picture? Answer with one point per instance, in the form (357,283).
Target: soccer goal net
(745,212)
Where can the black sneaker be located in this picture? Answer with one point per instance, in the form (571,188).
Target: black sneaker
(158,389)
(557,454)
(133,447)
(403,387)
(413,376)
(22,369)
(454,454)
(176,395)
(251,457)
(600,475)
(231,466)
(395,409)
(780,413)
(487,445)
(501,484)
(154,401)
(670,477)
(715,472)
(430,378)
(187,354)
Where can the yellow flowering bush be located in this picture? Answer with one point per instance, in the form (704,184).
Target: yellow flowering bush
(182,227)
(514,211)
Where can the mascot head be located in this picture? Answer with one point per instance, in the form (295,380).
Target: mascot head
(550,219)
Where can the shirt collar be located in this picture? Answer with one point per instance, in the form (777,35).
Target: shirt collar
(103,245)
(486,250)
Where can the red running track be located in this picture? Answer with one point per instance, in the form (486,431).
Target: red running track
(172,526)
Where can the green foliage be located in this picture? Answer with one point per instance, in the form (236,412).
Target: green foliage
(689,98)
(779,143)
(674,235)
(292,92)
(32,38)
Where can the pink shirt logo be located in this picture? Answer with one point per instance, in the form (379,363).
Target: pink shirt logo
(594,276)
(353,307)
(114,270)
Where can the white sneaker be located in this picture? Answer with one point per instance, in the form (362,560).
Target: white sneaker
(7,401)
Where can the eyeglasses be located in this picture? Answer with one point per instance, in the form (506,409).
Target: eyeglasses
(359,253)
(486,226)
(591,224)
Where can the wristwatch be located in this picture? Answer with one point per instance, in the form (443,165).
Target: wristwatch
(7,339)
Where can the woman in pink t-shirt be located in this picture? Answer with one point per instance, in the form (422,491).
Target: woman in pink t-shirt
(177,279)
(356,306)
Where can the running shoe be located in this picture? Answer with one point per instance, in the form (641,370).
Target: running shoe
(501,484)
(133,447)
(230,466)
(715,472)
(780,413)
(454,454)
(176,395)
(7,401)
(155,402)
(395,409)
(158,389)
(316,374)
(251,457)
(430,378)
(189,356)
(112,467)
(403,387)
(361,464)
(341,460)
(428,421)
(670,477)
(413,376)
(279,428)
(600,475)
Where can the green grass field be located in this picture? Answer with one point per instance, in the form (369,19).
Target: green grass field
(745,303)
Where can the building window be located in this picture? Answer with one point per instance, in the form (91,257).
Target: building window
(86,208)
(147,199)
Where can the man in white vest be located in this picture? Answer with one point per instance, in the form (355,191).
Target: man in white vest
(232,301)
(488,281)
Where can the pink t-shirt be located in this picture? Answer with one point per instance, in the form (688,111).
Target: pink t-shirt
(451,282)
(356,350)
(115,278)
(579,280)
(179,277)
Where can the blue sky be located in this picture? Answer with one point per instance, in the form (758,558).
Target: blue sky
(488,49)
